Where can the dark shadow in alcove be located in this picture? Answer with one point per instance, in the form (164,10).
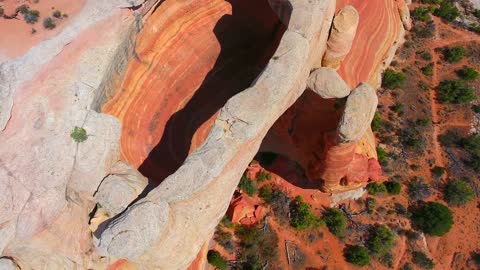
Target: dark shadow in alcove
(248,39)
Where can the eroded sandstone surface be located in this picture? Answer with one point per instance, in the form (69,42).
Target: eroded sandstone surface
(188,90)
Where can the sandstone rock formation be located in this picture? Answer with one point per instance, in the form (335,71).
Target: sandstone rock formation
(341,37)
(327,83)
(50,180)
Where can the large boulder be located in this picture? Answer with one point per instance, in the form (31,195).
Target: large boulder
(327,83)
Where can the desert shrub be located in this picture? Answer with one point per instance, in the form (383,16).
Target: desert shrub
(423,31)
(438,171)
(398,108)
(428,70)
(357,255)
(427,56)
(371,203)
(263,175)
(476,108)
(49,23)
(266,159)
(468,73)
(216,260)
(423,122)
(31,16)
(449,139)
(407,266)
(224,239)
(455,92)
(447,11)
(57,14)
(377,122)
(472,145)
(411,138)
(458,192)
(454,54)
(22,9)
(382,156)
(418,189)
(476,13)
(421,14)
(336,221)
(392,187)
(79,134)
(265,193)
(279,202)
(257,246)
(392,79)
(387,260)
(375,188)
(421,259)
(380,241)
(301,216)
(433,218)
(247,186)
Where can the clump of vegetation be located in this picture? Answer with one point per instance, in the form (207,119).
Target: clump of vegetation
(458,192)
(412,138)
(438,171)
(375,188)
(357,255)
(387,260)
(49,23)
(22,9)
(398,108)
(278,200)
(428,70)
(454,54)
(265,193)
(449,139)
(393,79)
(2,12)
(224,239)
(301,216)
(471,144)
(258,246)
(247,186)
(371,203)
(421,259)
(418,189)
(79,134)
(377,122)
(381,240)
(216,260)
(421,14)
(31,16)
(433,218)
(263,175)
(393,188)
(424,30)
(476,108)
(336,221)
(468,73)
(427,56)
(447,11)
(382,156)
(57,14)
(455,92)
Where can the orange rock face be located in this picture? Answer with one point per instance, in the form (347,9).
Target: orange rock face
(208,51)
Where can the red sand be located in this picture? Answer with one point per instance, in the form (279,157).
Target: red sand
(17,37)
(207,51)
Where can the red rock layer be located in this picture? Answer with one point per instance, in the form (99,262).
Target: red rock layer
(191,57)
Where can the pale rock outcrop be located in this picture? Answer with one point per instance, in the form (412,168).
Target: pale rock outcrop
(341,37)
(358,115)
(7,264)
(327,83)
(404,14)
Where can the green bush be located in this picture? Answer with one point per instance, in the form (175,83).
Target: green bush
(454,54)
(371,203)
(22,9)
(455,92)
(398,108)
(393,79)
(421,14)
(266,193)
(476,108)
(57,14)
(382,156)
(427,56)
(428,70)
(31,16)
(423,30)
(377,122)
(418,189)
(375,188)
(476,13)
(336,221)
(49,23)
(412,138)
(380,241)
(247,186)
(438,171)
(471,144)
(224,239)
(468,73)
(419,258)
(449,139)
(447,11)
(215,259)
(393,187)
(257,246)
(301,216)
(263,175)
(79,134)
(433,218)
(357,255)
(458,192)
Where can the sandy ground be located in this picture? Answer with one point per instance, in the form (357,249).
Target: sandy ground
(17,37)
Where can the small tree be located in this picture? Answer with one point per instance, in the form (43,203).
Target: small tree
(301,216)
(336,221)
(419,258)
(438,171)
(454,54)
(418,189)
(382,156)
(393,79)
(393,187)
(472,145)
(381,240)
(433,218)
(216,260)
(467,73)
(428,70)
(49,23)
(455,91)
(421,14)
(31,16)
(79,134)
(247,186)
(357,255)
(377,122)
(57,14)
(447,11)
(458,193)
(375,188)
(263,175)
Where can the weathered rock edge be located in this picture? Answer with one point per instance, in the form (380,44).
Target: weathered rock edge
(176,218)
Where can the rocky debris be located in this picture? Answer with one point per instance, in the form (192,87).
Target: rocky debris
(327,83)
(358,115)
(123,185)
(243,211)
(341,37)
